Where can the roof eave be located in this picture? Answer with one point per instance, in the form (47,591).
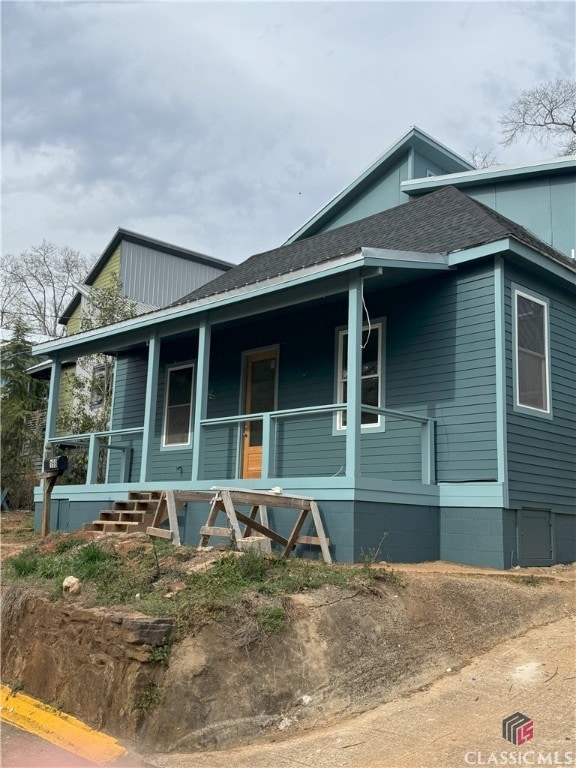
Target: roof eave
(390,155)
(465,179)
(147,242)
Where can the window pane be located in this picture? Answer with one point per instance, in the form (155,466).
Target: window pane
(178,406)
(370,370)
(532,380)
(531,326)
(370,397)
(180,384)
(371,340)
(263,385)
(178,424)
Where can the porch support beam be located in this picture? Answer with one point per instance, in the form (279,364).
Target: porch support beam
(354,383)
(53,399)
(201,397)
(150,404)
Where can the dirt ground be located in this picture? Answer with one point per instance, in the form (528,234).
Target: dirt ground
(455,722)
(17,531)
(467,629)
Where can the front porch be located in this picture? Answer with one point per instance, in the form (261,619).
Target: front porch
(116,456)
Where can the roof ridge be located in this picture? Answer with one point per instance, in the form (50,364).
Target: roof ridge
(444,221)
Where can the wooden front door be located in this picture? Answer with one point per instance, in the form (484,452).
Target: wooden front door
(260,397)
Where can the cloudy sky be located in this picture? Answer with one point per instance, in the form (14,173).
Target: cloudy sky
(222,127)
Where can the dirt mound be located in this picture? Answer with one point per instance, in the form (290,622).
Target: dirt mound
(336,650)
(341,653)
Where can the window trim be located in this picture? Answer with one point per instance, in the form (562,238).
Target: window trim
(518,291)
(341,331)
(169,368)
(106,370)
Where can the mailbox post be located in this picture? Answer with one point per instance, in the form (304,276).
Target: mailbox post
(54,467)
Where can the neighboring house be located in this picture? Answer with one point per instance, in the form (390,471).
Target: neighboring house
(151,274)
(412,371)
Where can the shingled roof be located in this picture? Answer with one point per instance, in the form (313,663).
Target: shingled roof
(441,222)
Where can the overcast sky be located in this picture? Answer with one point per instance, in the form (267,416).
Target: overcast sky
(222,127)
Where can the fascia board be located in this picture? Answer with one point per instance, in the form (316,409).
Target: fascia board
(487,175)
(511,245)
(560,271)
(478,252)
(387,156)
(414,137)
(303,276)
(382,257)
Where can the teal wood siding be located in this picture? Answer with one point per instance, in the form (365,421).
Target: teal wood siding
(379,196)
(545,207)
(440,362)
(171,464)
(423,167)
(128,411)
(542,451)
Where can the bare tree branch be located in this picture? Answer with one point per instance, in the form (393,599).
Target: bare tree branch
(481,158)
(546,114)
(37,285)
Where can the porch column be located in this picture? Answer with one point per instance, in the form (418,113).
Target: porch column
(53,400)
(201,395)
(150,405)
(354,383)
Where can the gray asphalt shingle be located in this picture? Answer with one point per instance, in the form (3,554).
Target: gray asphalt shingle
(441,222)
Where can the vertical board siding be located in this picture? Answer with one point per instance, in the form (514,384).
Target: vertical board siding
(542,451)
(128,411)
(160,278)
(545,206)
(422,165)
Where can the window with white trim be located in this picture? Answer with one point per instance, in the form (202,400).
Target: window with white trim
(100,385)
(178,406)
(371,374)
(532,355)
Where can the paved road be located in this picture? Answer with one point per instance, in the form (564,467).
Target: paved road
(455,723)
(25,750)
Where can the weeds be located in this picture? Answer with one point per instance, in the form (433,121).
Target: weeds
(531,580)
(160,653)
(149,698)
(117,580)
(271,620)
